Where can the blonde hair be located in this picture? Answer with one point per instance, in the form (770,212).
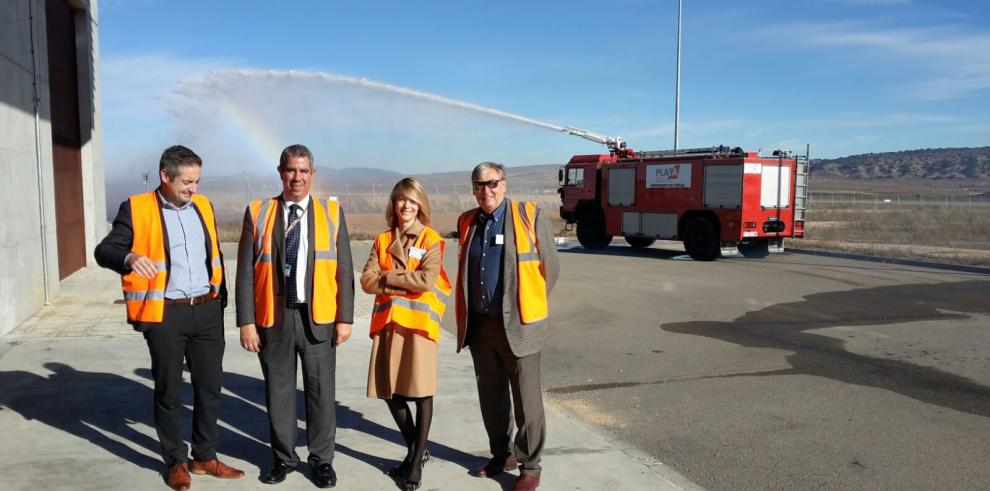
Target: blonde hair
(411,189)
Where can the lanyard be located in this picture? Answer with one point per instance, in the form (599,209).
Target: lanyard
(295,221)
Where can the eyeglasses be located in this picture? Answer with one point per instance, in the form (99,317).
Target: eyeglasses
(489,184)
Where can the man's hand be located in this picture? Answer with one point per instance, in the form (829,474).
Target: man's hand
(343,333)
(141,265)
(249,338)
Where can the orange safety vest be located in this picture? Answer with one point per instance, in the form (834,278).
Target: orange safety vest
(323,297)
(418,311)
(145,298)
(529,269)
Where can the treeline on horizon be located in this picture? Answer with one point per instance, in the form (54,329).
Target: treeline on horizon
(927,163)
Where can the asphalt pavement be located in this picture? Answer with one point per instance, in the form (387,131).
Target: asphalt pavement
(76,413)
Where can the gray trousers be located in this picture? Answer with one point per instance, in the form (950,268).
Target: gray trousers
(280,345)
(499,373)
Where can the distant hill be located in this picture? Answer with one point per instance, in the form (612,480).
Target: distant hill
(928,163)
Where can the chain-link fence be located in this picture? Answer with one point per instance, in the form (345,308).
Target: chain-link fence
(887,199)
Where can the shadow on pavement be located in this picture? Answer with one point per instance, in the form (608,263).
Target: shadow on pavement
(103,409)
(623,251)
(87,405)
(241,413)
(784,326)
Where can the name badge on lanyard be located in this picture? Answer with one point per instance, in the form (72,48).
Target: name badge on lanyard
(499,239)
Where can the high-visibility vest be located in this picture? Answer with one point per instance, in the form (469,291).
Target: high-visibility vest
(145,298)
(418,311)
(323,297)
(530,273)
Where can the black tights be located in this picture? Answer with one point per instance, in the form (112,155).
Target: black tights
(414,434)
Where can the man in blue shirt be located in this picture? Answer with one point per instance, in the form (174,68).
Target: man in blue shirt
(172,231)
(504,349)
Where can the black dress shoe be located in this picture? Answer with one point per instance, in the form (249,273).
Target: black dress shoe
(277,473)
(325,476)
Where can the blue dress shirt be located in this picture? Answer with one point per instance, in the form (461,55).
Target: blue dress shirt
(187,275)
(485,262)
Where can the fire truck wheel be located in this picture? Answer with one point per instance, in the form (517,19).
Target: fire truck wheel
(755,248)
(701,240)
(591,231)
(640,242)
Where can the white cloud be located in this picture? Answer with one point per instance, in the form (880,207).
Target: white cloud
(133,86)
(878,121)
(941,62)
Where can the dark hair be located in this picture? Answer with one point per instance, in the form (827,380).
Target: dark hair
(293,151)
(176,157)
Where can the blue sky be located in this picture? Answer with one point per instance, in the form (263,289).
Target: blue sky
(238,80)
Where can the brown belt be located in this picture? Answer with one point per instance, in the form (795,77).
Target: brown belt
(190,301)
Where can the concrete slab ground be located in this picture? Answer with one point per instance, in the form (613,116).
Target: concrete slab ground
(76,413)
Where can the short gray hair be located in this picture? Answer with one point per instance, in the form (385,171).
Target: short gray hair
(478,169)
(295,151)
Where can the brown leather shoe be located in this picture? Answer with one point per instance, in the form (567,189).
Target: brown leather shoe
(215,468)
(494,467)
(527,482)
(178,477)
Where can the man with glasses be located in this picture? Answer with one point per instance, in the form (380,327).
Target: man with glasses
(507,265)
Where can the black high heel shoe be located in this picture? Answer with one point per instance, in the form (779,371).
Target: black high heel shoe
(411,485)
(402,469)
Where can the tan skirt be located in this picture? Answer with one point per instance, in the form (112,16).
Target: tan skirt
(402,363)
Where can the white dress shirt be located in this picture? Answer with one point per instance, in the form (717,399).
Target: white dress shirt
(300,266)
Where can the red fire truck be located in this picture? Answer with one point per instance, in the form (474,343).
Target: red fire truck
(712,199)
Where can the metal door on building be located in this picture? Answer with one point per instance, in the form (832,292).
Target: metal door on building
(63,85)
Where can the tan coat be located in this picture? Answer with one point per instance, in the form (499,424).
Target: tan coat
(402,361)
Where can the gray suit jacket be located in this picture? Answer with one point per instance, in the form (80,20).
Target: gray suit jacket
(523,339)
(244,293)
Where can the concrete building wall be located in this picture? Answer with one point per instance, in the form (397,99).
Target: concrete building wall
(28,244)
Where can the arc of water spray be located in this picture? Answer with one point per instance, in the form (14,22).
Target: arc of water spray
(386,87)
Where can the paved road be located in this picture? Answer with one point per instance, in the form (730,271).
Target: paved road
(792,372)
(75,410)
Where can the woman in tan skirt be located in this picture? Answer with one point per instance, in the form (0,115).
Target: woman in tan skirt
(405,273)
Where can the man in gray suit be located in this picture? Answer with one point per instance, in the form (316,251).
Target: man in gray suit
(507,265)
(295,297)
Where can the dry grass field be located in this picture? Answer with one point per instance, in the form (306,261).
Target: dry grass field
(944,221)
(955,234)
(365,219)
(939,220)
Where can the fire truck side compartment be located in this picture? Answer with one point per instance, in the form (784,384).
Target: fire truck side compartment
(622,186)
(723,186)
(775,187)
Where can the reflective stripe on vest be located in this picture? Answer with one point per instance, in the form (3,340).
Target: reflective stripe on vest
(418,311)
(529,269)
(530,274)
(323,296)
(145,298)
